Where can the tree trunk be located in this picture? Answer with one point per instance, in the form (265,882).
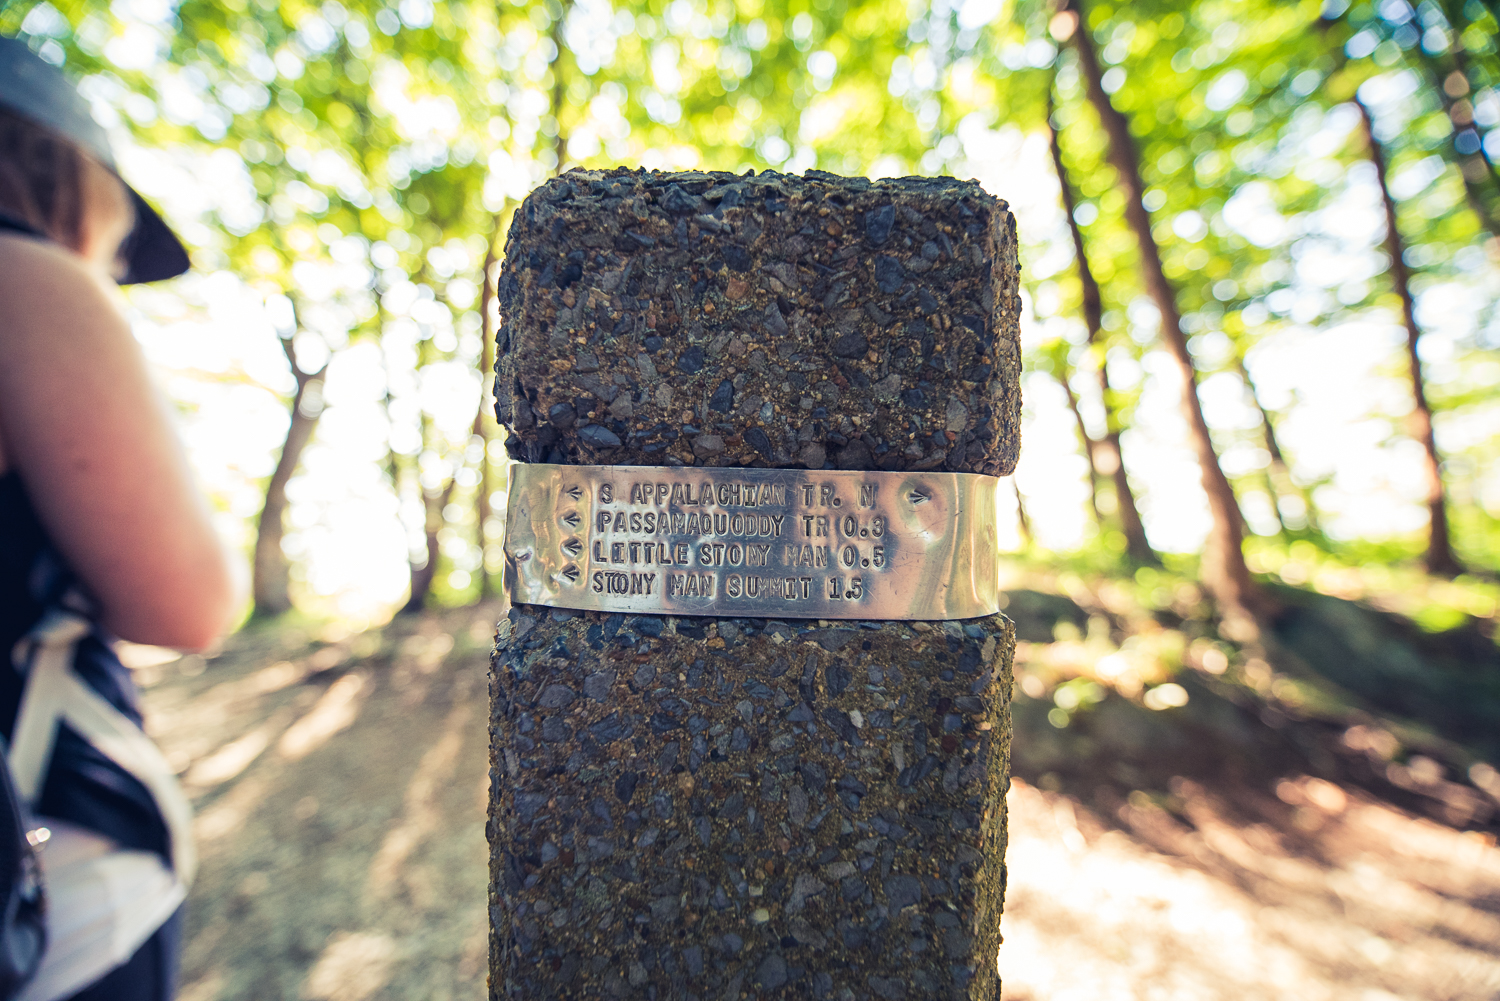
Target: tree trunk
(1136,545)
(1466,119)
(1448,77)
(1275,464)
(1023,521)
(1223,569)
(433,504)
(1061,373)
(559,87)
(269,576)
(481,429)
(1439,559)
(1278,473)
(418,585)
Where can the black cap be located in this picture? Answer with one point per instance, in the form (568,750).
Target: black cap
(38,90)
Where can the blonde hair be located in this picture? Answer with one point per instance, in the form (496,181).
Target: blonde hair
(42,177)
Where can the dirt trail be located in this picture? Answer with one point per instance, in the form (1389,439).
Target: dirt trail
(341,787)
(341,798)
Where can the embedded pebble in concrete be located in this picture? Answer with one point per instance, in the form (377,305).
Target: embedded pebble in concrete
(700,809)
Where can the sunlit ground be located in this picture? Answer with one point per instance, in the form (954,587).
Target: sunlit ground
(340,781)
(1310,892)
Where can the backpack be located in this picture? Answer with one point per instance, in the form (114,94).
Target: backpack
(133,798)
(54,658)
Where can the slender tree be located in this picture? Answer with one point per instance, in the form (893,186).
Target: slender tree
(269,574)
(1276,464)
(1447,75)
(393,472)
(1224,571)
(482,510)
(559,96)
(1023,521)
(434,503)
(435,500)
(421,569)
(1439,558)
(1136,545)
(1063,373)
(1278,474)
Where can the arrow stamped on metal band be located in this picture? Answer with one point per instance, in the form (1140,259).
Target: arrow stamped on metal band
(775,543)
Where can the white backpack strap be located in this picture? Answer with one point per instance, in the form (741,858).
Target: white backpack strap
(44,657)
(54,693)
(115,734)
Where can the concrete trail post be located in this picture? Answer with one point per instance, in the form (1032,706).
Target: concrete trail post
(697,807)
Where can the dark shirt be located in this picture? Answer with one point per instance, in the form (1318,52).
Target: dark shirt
(22,542)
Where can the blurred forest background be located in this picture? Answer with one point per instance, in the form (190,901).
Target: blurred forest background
(1256,524)
(1297,200)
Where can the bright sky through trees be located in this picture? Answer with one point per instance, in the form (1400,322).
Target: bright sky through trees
(338,170)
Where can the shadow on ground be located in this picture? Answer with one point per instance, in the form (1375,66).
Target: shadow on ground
(340,790)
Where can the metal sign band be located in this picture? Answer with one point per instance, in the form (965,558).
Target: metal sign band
(771,543)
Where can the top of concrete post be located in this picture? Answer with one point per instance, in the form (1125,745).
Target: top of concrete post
(767,320)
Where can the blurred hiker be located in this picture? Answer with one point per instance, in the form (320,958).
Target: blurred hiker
(102,534)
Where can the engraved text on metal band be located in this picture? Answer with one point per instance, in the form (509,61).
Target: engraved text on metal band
(777,543)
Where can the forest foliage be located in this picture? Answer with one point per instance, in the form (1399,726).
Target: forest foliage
(368,156)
